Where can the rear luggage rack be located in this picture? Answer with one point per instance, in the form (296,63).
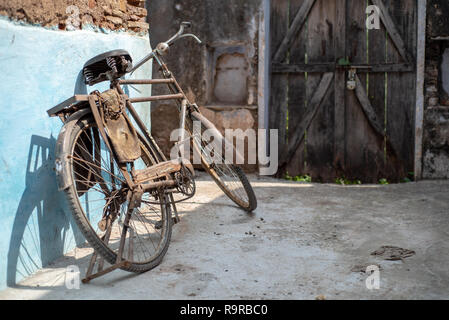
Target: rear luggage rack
(74,103)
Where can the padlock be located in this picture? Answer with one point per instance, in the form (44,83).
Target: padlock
(351,84)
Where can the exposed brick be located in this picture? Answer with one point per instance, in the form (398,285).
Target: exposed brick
(138,24)
(51,13)
(114,20)
(433,102)
(118,13)
(141,12)
(438,18)
(87,20)
(123,5)
(107,10)
(137,3)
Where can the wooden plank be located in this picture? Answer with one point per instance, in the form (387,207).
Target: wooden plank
(420,76)
(393,31)
(368,109)
(364,148)
(383,67)
(302,67)
(312,110)
(278,110)
(298,22)
(376,90)
(340,89)
(377,125)
(400,95)
(297,93)
(321,49)
(328,67)
(279,82)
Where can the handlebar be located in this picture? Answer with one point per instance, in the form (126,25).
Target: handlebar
(162,48)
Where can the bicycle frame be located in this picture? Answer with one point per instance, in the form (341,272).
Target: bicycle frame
(78,102)
(177,94)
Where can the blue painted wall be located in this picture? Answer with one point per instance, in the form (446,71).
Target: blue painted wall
(40,68)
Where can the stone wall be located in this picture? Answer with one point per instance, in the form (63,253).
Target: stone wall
(222,74)
(436,122)
(438,13)
(103,14)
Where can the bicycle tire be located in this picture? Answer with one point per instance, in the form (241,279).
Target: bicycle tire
(72,194)
(238,177)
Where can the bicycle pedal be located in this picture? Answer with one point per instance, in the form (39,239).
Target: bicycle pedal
(158,225)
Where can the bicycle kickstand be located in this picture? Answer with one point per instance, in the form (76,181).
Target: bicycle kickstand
(120,262)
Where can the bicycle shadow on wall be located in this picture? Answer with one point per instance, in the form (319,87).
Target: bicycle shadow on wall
(43,229)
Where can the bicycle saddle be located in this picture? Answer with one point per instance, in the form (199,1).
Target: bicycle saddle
(110,65)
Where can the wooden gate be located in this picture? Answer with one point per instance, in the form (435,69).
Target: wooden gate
(325,129)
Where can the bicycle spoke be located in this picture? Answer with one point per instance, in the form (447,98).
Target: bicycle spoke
(102,189)
(224,172)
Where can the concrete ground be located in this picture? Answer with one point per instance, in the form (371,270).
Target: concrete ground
(304,241)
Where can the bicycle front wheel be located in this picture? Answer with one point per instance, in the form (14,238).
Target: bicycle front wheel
(97,197)
(230,178)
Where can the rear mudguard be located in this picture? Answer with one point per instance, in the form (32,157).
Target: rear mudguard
(63,151)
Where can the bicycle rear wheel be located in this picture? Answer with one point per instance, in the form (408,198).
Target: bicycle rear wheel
(230,178)
(97,198)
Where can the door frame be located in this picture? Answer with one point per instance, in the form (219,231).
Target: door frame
(420,77)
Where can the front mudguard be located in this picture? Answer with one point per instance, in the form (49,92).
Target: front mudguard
(62,151)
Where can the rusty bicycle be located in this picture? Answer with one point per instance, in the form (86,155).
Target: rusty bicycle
(122,190)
